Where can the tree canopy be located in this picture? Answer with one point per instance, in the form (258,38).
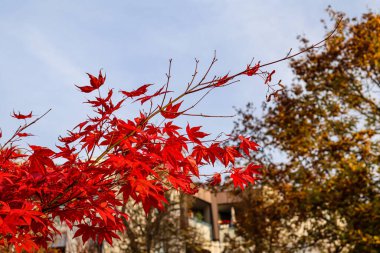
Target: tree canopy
(324,191)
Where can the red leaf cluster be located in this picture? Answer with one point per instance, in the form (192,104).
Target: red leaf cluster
(222,81)
(250,71)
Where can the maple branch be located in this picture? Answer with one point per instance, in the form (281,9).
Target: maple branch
(190,90)
(209,116)
(71,198)
(68,188)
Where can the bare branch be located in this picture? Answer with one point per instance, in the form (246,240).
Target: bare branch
(168,76)
(209,116)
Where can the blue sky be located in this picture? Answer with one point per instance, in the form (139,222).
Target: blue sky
(47,46)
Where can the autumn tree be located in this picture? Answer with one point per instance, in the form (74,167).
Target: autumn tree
(321,189)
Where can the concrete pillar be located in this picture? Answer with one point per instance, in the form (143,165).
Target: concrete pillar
(233,216)
(215,218)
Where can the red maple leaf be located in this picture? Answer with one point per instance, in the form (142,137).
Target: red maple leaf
(170,129)
(247,145)
(24,134)
(141,90)
(242,177)
(194,134)
(269,77)
(40,158)
(171,111)
(21,116)
(221,81)
(238,178)
(215,180)
(250,71)
(95,83)
(200,152)
(230,153)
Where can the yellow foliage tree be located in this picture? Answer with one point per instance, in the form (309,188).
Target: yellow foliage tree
(325,195)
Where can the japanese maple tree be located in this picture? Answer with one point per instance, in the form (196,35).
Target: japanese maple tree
(107,160)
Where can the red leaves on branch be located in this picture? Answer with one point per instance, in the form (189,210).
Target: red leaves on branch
(106,161)
(149,97)
(243,176)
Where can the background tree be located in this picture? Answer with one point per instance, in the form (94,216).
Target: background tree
(324,193)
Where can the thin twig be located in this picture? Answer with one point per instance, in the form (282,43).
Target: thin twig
(194,75)
(290,50)
(168,76)
(208,116)
(208,70)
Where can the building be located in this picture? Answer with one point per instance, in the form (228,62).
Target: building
(213,214)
